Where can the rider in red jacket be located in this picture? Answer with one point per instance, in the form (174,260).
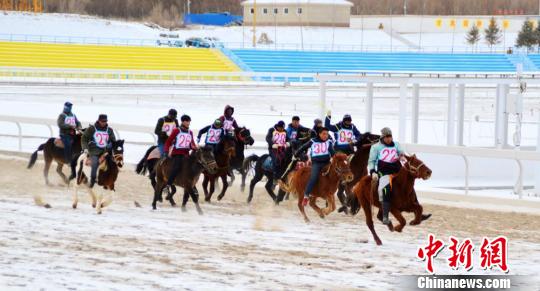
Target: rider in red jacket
(178,146)
(227,119)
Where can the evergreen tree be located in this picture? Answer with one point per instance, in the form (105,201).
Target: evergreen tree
(526,37)
(473,36)
(492,33)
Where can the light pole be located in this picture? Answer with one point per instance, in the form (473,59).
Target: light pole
(405,7)
(254,23)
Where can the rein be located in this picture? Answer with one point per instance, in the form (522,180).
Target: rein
(414,170)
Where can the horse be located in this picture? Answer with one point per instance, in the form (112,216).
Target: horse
(147,165)
(358,165)
(262,168)
(53,150)
(338,171)
(192,167)
(243,139)
(224,153)
(110,164)
(403,198)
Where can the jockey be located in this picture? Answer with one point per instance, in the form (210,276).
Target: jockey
(345,133)
(95,141)
(321,151)
(178,145)
(317,125)
(384,156)
(164,128)
(293,129)
(278,141)
(214,134)
(228,121)
(68,124)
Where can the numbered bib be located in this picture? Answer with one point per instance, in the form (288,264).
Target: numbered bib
(168,127)
(228,124)
(213,136)
(183,140)
(101,138)
(279,137)
(320,149)
(344,136)
(294,134)
(70,120)
(388,155)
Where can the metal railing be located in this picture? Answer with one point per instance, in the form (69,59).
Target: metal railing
(464,152)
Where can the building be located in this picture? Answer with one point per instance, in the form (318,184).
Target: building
(297,12)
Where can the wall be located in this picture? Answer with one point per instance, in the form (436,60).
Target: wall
(429,24)
(312,15)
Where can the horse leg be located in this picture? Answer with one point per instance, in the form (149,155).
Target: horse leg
(269,188)
(107,199)
(301,207)
(331,201)
(402,222)
(205,188)
(369,219)
(313,204)
(254,181)
(195,197)
(75,197)
(231,174)
(418,215)
(48,162)
(280,196)
(342,199)
(243,184)
(157,193)
(93,196)
(171,195)
(225,186)
(185,199)
(59,167)
(99,199)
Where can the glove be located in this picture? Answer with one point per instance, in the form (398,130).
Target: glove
(275,146)
(329,113)
(287,144)
(372,171)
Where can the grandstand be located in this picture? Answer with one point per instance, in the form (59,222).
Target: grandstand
(43,55)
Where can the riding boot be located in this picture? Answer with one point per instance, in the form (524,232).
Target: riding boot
(73,166)
(386,210)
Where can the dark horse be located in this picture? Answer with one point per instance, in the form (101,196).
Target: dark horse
(358,164)
(403,198)
(261,171)
(53,150)
(243,139)
(110,163)
(224,154)
(192,167)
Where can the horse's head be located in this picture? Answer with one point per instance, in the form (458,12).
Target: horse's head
(243,135)
(368,139)
(342,168)
(417,168)
(118,152)
(205,157)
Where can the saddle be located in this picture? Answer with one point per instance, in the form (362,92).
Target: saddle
(102,162)
(58,143)
(155,154)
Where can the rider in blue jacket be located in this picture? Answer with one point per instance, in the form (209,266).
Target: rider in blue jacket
(345,133)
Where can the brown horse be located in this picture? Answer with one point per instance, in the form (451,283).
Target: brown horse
(337,171)
(226,150)
(109,167)
(403,197)
(192,167)
(358,165)
(53,150)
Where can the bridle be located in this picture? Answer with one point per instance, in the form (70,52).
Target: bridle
(207,165)
(414,170)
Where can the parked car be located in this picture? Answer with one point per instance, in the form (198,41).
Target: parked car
(169,43)
(198,42)
(214,42)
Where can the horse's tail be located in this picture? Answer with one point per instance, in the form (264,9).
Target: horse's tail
(142,166)
(33,157)
(248,162)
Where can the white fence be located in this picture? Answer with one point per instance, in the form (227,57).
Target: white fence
(464,152)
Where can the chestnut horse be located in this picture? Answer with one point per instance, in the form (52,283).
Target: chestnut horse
(53,150)
(192,167)
(110,163)
(329,179)
(358,165)
(403,196)
(226,149)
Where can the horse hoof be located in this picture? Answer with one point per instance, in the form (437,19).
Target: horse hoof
(154,206)
(199,211)
(414,222)
(99,212)
(219,197)
(426,216)
(398,228)
(378,242)
(184,209)
(94,205)
(74,206)
(47,206)
(137,204)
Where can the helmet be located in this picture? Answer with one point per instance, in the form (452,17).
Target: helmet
(173,113)
(386,132)
(185,118)
(317,121)
(280,123)
(217,122)
(347,117)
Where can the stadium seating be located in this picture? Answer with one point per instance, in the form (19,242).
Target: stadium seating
(42,55)
(535,59)
(312,62)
